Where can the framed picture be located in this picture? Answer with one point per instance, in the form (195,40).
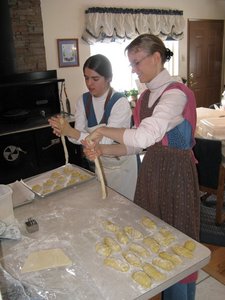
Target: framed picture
(68,52)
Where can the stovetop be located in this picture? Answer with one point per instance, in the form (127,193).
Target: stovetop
(31,123)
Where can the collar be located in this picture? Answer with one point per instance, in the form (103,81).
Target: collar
(161,80)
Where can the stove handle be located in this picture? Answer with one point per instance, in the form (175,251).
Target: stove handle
(53,142)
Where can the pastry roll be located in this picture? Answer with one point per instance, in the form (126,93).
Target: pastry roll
(153,272)
(122,237)
(133,233)
(103,249)
(148,223)
(175,259)
(142,278)
(190,245)
(110,226)
(132,258)
(139,250)
(182,251)
(111,243)
(116,264)
(163,263)
(152,244)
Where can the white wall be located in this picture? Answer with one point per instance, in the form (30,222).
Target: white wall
(65,19)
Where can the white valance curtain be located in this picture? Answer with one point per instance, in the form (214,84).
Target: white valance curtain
(108,24)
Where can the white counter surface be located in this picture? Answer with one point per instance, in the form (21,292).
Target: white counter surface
(72,221)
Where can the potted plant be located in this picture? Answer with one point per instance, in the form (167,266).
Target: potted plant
(132,96)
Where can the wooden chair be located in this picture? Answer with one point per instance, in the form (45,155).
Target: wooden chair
(211,173)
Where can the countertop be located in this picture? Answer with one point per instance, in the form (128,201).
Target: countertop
(72,221)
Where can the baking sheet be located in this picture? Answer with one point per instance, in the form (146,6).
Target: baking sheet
(58,179)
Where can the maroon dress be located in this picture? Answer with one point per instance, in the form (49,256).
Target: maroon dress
(167,184)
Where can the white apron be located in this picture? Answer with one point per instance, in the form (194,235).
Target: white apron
(120,173)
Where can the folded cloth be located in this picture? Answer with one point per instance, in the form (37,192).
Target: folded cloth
(9,232)
(21,195)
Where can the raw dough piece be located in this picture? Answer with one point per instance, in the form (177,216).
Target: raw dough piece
(133,233)
(175,259)
(190,245)
(153,272)
(110,226)
(122,237)
(101,177)
(116,264)
(61,179)
(37,188)
(114,246)
(168,236)
(99,172)
(148,223)
(142,278)
(46,191)
(72,181)
(138,249)
(64,144)
(152,244)
(132,258)
(67,170)
(45,259)
(163,264)
(182,251)
(48,183)
(58,187)
(55,174)
(103,249)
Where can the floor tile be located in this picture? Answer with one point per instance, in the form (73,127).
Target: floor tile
(202,275)
(209,289)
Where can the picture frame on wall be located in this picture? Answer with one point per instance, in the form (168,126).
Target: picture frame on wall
(68,52)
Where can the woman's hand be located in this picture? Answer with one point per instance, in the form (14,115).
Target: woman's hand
(96,135)
(91,150)
(59,128)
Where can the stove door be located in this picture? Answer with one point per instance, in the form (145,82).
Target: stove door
(17,157)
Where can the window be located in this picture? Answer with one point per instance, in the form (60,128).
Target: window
(123,78)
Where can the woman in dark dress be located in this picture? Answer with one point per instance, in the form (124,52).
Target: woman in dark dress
(165,120)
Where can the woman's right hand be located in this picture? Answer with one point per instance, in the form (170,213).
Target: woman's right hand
(59,127)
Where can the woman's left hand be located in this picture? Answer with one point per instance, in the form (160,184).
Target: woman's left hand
(91,150)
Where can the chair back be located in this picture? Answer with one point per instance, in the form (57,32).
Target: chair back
(209,156)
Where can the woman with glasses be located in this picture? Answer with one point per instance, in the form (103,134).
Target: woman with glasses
(165,120)
(102,106)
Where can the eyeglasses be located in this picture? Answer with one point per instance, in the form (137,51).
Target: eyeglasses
(135,64)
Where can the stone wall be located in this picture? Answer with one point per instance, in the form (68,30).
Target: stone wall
(28,37)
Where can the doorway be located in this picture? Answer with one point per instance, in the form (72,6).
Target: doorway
(205,59)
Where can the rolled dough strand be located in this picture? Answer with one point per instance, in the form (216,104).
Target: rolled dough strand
(100,174)
(64,144)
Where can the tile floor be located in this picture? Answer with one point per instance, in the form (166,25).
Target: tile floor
(208,288)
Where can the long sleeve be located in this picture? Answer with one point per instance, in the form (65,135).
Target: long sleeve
(166,115)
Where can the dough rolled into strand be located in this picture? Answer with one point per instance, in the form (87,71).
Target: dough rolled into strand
(100,173)
(64,144)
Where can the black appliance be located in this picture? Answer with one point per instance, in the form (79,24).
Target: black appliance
(27,143)
(32,95)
